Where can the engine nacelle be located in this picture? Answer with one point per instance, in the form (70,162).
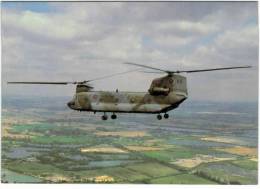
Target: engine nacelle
(82,88)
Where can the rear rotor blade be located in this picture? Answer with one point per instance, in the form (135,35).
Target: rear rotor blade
(151,72)
(214,69)
(144,66)
(186,71)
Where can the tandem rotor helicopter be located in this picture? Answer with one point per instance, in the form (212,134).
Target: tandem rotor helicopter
(165,94)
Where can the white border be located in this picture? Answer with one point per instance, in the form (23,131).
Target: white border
(135,186)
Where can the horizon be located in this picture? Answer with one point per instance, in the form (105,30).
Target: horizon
(188,100)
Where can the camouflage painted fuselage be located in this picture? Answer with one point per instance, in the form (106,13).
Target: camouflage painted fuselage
(165,94)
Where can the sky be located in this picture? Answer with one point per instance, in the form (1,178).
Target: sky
(75,41)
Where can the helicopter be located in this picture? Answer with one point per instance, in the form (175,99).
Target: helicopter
(164,94)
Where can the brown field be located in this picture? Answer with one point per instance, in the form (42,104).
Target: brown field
(15,136)
(254,159)
(7,125)
(58,178)
(193,162)
(103,178)
(7,134)
(123,133)
(103,150)
(154,141)
(220,139)
(11,121)
(240,150)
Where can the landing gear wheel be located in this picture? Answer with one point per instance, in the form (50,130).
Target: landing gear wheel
(104,117)
(113,116)
(166,116)
(159,117)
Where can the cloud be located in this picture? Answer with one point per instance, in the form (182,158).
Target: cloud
(79,41)
(231,47)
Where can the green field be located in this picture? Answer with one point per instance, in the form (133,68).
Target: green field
(62,139)
(152,169)
(50,152)
(247,164)
(39,127)
(227,173)
(33,168)
(181,179)
(174,154)
(13,177)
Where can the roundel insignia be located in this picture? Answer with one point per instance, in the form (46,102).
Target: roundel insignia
(171,80)
(95,97)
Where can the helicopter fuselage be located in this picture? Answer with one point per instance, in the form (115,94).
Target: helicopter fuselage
(165,94)
(127,102)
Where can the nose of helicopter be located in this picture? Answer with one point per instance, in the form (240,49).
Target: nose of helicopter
(71,104)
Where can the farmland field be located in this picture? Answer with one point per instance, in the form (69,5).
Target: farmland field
(51,144)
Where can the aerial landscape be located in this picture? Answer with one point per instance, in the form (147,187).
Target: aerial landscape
(129,92)
(202,143)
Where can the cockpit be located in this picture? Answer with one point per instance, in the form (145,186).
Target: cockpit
(72,104)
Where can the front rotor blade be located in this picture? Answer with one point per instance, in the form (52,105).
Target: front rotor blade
(43,83)
(112,75)
(214,69)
